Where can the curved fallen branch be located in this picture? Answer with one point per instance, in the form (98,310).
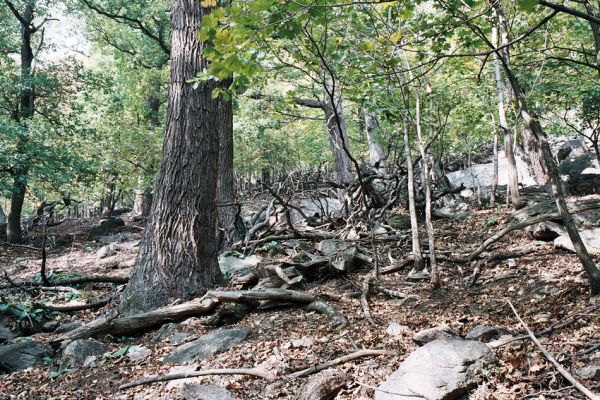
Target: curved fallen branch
(588,393)
(165,378)
(340,360)
(576,208)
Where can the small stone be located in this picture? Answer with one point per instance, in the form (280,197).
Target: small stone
(590,373)
(127,263)
(485,333)
(139,354)
(50,326)
(107,251)
(164,332)
(68,327)
(395,329)
(76,353)
(511,262)
(179,337)
(207,346)
(194,391)
(431,334)
(546,289)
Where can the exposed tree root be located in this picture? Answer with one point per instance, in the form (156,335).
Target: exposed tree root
(204,305)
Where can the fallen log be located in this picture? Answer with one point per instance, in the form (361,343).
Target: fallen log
(135,323)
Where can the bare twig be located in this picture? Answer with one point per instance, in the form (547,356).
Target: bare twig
(340,360)
(588,393)
(164,378)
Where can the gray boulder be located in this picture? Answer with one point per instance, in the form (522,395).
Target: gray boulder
(429,335)
(441,370)
(107,251)
(589,236)
(79,351)
(194,391)
(16,357)
(207,346)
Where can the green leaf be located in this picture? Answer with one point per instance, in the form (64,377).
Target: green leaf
(526,5)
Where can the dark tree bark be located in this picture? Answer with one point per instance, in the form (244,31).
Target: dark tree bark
(14,232)
(177,258)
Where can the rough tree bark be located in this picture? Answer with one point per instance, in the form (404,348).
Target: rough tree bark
(513,178)
(177,258)
(26,110)
(535,135)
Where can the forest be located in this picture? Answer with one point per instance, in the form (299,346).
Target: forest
(303,199)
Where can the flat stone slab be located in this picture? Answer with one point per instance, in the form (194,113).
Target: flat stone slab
(437,371)
(207,346)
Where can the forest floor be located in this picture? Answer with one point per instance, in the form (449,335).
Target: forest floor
(546,287)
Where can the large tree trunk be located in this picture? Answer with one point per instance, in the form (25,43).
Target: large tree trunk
(513,178)
(177,258)
(14,232)
(26,110)
(535,135)
(226,211)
